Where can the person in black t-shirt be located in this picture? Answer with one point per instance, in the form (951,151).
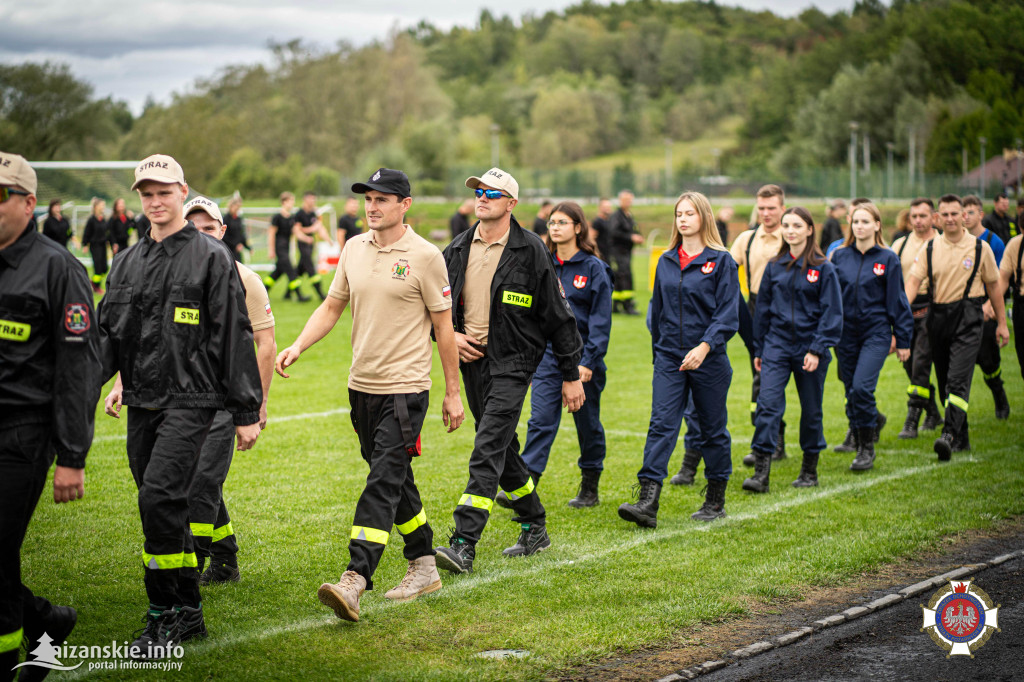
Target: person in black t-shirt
(235,237)
(119,226)
(307,227)
(95,239)
(459,222)
(56,226)
(279,246)
(349,224)
(832,229)
(540,223)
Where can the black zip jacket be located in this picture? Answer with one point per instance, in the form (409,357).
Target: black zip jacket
(57,230)
(174,323)
(528,307)
(49,344)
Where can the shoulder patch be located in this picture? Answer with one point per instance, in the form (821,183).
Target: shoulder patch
(76,318)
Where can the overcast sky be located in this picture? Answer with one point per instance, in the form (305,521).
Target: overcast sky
(135,50)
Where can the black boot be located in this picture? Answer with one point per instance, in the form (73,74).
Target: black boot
(910,426)
(758,483)
(616,306)
(714,502)
(999,397)
(533,538)
(943,446)
(629,308)
(749,458)
(865,458)
(458,556)
(879,425)
(932,416)
(849,443)
(644,512)
(808,477)
(691,458)
(780,443)
(152,641)
(586,496)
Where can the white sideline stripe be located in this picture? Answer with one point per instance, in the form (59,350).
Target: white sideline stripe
(273,420)
(494,575)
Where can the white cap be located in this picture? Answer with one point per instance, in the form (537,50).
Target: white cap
(158,168)
(208,207)
(15,172)
(498,179)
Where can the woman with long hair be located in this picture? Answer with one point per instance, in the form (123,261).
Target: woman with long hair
(876,319)
(119,226)
(94,238)
(693,313)
(587,281)
(798,318)
(56,226)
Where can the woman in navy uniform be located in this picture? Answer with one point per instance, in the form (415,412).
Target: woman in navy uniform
(693,314)
(587,281)
(799,316)
(875,310)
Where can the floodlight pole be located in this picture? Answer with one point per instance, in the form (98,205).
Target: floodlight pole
(853,158)
(981,190)
(889,147)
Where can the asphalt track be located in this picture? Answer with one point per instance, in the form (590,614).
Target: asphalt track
(889,644)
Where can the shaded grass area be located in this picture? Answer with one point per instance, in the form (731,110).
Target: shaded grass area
(604,586)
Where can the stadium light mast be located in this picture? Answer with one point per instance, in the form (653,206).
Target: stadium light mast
(889,148)
(668,166)
(981,190)
(1017,142)
(853,158)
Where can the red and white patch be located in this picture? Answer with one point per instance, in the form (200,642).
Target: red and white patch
(708,267)
(579,281)
(878,269)
(76,318)
(446,291)
(812,276)
(267,307)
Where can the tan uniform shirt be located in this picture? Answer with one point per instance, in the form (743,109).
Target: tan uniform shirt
(1008,266)
(914,245)
(952,265)
(476,292)
(765,247)
(392,290)
(257,301)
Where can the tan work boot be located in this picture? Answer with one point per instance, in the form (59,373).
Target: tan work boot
(343,597)
(421,578)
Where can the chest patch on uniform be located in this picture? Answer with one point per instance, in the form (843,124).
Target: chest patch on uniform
(968,262)
(878,269)
(14,331)
(812,276)
(515,298)
(186,316)
(401,269)
(708,267)
(579,281)
(76,318)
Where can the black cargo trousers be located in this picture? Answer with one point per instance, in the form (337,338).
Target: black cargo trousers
(208,516)
(389,428)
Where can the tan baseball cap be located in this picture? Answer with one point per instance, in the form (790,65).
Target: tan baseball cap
(15,172)
(205,205)
(498,179)
(158,168)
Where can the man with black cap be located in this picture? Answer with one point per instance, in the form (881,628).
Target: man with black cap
(49,383)
(212,532)
(173,323)
(509,306)
(398,287)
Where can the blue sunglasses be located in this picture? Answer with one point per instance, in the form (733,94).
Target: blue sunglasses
(490,193)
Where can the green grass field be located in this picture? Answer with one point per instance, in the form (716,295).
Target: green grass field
(604,587)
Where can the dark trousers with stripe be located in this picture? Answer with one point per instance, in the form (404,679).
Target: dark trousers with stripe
(955,333)
(810,387)
(208,517)
(1018,329)
(306,265)
(283,266)
(988,354)
(862,357)
(622,264)
(672,391)
(546,416)
(388,427)
(163,452)
(919,365)
(496,403)
(25,458)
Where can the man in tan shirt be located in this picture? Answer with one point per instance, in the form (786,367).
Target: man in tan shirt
(921,393)
(397,284)
(959,271)
(753,249)
(1010,274)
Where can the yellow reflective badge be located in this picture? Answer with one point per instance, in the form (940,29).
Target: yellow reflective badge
(186,316)
(515,298)
(14,331)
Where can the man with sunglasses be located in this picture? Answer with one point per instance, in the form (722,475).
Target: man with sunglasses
(49,384)
(508,306)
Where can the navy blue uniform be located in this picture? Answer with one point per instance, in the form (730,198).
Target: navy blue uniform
(799,311)
(587,281)
(696,304)
(875,308)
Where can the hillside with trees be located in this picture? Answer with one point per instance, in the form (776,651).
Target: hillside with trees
(567,86)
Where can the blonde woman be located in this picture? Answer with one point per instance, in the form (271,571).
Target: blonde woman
(693,313)
(95,238)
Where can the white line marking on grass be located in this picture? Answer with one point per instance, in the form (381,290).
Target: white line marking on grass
(271,421)
(499,574)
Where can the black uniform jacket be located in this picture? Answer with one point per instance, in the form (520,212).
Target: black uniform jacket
(174,323)
(528,308)
(49,344)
